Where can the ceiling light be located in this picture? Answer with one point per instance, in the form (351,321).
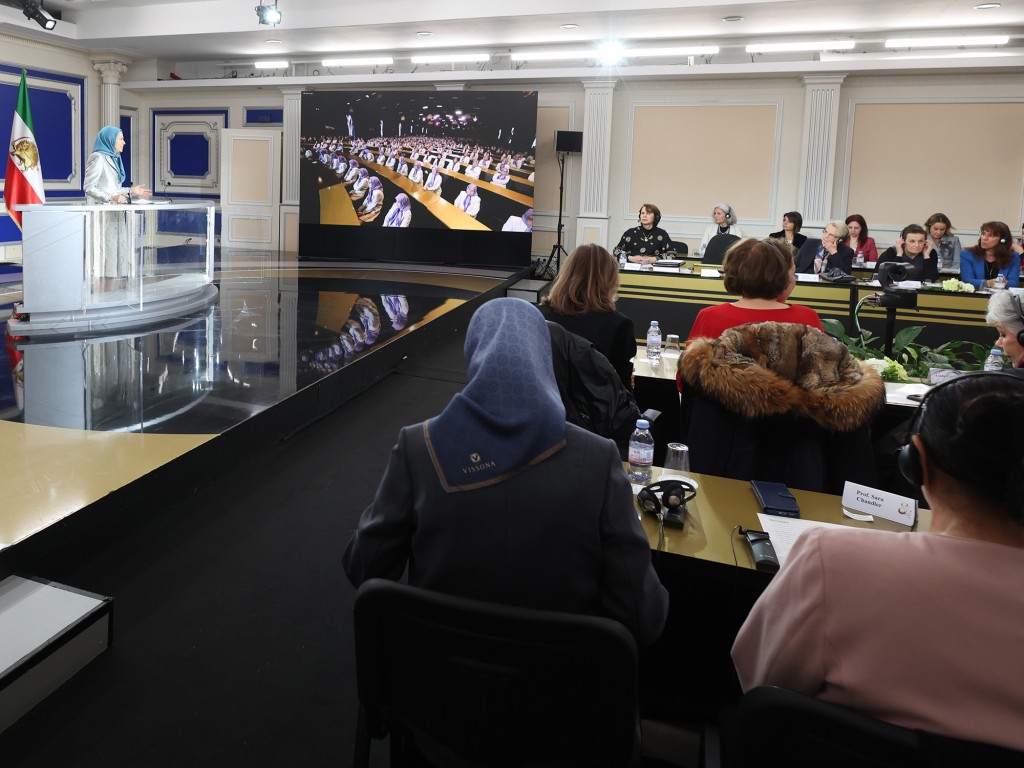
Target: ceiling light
(444,58)
(610,53)
(424,33)
(551,55)
(693,50)
(365,61)
(271,64)
(986,6)
(732,18)
(570,26)
(946,42)
(269,14)
(35,12)
(273,41)
(821,45)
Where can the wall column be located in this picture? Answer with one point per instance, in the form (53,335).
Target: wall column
(592,221)
(821,124)
(290,146)
(111,70)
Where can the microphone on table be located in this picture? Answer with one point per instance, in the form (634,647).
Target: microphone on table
(166,185)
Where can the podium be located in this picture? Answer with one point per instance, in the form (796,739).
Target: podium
(102,267)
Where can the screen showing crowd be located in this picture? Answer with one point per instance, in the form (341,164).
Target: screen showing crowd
(419,159)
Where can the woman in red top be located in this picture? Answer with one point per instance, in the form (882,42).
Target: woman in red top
(762,273)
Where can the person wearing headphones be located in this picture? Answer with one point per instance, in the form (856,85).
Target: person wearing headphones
(992,263)
(723,219)
(1007,315)
(646,243)
(920,629)
(913,249)
(497,498)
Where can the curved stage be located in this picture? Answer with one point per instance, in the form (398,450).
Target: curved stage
(96,429)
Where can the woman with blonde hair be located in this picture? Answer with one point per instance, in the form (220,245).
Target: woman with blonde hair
(582,300)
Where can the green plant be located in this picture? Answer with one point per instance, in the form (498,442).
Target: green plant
(915,358)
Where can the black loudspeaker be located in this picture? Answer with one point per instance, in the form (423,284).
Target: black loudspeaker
(568,141)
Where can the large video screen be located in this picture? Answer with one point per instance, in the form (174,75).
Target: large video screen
(420,176)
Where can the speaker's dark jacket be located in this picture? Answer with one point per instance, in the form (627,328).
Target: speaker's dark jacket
(781,402)
(798,239)
(843,257)
(561,535)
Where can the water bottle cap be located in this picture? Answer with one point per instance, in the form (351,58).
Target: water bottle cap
(642,424)
(654,323)
(996,351)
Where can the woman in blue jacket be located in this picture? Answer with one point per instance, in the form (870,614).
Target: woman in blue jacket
(992,263)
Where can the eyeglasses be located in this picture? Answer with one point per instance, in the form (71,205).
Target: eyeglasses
(830,235)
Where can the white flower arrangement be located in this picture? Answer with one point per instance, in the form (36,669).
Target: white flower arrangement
(957,285)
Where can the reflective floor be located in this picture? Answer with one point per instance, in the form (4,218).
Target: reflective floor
(82,416)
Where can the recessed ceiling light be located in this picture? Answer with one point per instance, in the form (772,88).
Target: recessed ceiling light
(570,26)
(273,41)
(424,33)
(732,18)
(946,42)
(986,6)
(824,45)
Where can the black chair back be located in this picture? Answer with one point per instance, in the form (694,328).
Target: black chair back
(717,247)
(777,727)
(680,247)
(474,685)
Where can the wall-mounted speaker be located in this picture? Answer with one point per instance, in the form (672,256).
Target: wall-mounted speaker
(568,141)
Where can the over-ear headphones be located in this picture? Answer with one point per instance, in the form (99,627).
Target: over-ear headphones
(657,216)
(1020,315)
(909,458)
(675,494)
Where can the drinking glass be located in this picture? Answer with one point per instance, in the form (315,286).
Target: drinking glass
(672,345)
(677,457)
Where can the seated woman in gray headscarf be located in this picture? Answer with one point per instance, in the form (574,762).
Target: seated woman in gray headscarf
(474,501)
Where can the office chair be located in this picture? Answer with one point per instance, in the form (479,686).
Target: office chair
(468,684)
(716,249)
(778,727)
(681,248)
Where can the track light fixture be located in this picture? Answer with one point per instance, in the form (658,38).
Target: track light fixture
(269,14)
(34,10)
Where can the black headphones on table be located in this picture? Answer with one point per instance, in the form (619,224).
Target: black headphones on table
(675,494)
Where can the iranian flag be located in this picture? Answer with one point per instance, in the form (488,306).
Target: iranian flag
(24,180)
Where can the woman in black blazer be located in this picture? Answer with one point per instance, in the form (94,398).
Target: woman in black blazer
(791,224)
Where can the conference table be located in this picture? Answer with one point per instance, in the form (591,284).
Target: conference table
(709,573)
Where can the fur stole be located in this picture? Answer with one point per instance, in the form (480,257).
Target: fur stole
(769,369)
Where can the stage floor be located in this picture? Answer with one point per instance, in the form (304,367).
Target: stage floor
(83,416)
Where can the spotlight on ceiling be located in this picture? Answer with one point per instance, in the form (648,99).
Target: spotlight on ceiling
(269,14)
(34,10)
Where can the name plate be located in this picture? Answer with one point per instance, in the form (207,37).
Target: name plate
(864,500)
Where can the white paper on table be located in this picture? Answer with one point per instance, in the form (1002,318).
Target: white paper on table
(784,531)
(804,277)
(896,393)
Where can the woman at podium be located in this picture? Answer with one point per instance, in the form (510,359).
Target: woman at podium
(104,172)
(104,183)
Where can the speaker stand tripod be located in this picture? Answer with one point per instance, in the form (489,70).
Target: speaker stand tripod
(557,251)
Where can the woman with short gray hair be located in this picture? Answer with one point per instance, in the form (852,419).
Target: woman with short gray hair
(1007,315)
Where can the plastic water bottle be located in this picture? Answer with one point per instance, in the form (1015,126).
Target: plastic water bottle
(994,362)
(860,259)
(641,453)
(654,343)
(622,260)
